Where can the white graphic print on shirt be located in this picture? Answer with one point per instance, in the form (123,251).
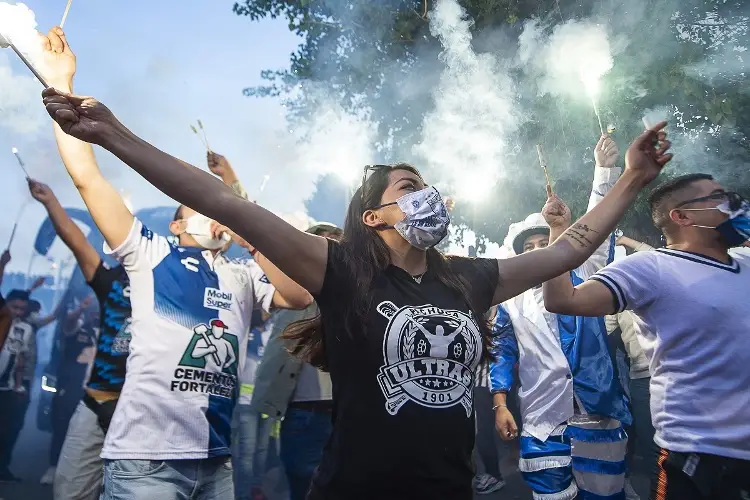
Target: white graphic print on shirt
(430,356)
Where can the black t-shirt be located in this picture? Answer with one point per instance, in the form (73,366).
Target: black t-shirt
(403,384)
(112,290)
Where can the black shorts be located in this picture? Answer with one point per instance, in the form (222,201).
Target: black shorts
(698,476)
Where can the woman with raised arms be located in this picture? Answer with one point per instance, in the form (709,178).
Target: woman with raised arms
(401,328)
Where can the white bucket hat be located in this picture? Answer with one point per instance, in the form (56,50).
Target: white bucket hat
(519,231)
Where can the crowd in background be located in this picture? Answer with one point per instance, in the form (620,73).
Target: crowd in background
(368,363)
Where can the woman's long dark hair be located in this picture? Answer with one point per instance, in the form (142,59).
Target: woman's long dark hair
(366,256)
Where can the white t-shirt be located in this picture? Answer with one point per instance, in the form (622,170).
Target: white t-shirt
(191,314)
(695,315)
(18,350)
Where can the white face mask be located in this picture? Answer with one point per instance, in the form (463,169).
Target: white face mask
(199,227)
(426,218)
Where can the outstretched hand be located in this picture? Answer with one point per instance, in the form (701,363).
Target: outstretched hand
(37,283)
(59,62)
(217,164)
(555,211)
(606,152)
(218,230)
(40,192)
(84,118)
(647,155)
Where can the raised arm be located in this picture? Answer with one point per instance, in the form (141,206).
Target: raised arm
(4,259)
(643,162)
(635,245)
(103,201)
(73,315)
(220,167)
(68,231)
(42,322)
(301,256)
(606,173)
(591,298)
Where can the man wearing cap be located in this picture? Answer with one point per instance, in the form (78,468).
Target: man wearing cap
(299,392)
(570,397)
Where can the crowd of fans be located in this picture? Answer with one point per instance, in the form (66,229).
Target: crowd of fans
(371,364)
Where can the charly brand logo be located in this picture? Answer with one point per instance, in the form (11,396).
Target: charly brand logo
(217,299)
(430,355)
(209,364)
(121,342)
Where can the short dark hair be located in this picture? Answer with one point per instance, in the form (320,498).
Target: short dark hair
(17,295)
(178,213)
(660,198)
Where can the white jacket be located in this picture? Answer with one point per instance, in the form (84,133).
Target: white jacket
(546,385)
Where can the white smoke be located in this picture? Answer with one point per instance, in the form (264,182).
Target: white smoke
(20,107)
(576,53)
(334,141)
(465,137)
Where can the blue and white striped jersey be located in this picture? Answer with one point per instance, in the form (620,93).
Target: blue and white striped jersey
(190,323)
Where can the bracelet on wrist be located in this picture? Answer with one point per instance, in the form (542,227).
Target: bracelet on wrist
(495,407)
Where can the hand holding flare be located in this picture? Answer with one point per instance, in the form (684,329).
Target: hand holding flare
(543,164)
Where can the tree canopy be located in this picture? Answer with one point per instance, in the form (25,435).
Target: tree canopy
(380,59)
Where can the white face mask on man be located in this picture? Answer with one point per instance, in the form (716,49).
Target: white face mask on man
(199,227)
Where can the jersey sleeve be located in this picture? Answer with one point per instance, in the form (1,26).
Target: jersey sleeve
(633,281)
(504,352)
(142,249)
(604,179)
(263,290)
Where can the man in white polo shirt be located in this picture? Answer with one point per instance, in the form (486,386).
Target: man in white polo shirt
(170,433)
(691,301)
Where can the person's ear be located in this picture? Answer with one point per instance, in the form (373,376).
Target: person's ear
(372,219)
(177,227)
(679,217)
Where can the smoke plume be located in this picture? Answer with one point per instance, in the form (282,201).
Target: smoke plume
(20,111)
(465,137)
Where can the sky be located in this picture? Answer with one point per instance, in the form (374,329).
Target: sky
(159,66)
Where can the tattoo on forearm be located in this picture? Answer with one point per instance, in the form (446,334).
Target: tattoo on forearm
(580,233)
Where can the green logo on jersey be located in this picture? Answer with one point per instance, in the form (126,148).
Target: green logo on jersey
(213,348)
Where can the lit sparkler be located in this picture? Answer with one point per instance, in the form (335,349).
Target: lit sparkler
(20,162)
(65,14)
(543,164)
(201,134)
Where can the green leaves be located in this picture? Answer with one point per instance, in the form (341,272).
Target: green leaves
(378,57)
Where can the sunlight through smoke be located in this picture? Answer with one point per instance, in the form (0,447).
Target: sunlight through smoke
(575,53)
(464,138)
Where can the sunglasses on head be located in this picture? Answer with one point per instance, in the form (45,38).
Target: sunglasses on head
(735,200)
(368,171)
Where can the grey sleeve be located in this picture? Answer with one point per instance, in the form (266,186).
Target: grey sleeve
(30,356)
(239,189)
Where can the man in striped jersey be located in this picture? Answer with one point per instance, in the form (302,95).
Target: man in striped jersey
(170,433)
